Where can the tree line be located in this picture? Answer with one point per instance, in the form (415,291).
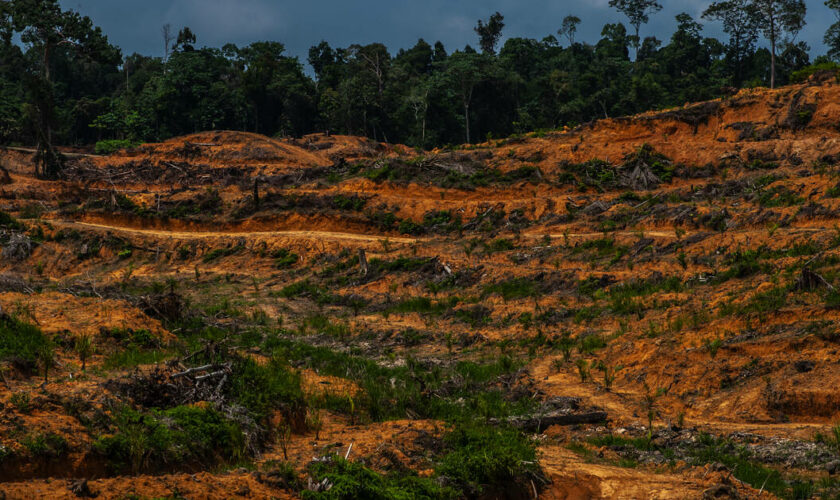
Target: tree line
(63,82)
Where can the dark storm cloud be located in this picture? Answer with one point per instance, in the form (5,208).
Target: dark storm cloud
(135,25)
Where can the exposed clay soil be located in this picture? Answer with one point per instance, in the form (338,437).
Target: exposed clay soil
(694,282)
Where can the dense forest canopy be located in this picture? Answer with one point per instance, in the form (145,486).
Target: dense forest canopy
(62,82)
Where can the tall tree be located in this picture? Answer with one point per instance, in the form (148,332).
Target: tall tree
(186,40)
(638,12)
(439,55)
(832,36)
(44,27)
(371,63)
(490,33)
(778,19)
(275,86)
(465,71)
(740,21)
(326,62)
(568,28)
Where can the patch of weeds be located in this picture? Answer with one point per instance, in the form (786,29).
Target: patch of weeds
(464,389)
(410,227)
(475,316)
(352,480)
(22,401)
(593,173)
(442,221)
(623,297)
(225,309)
(401,264)
(516,288)
(48,445)
(758,164)
(600,249)
(186,435)
(9,222)
(384,221)
(766,302)
(779,196)
(349,203)
(587,314)
(139,347)
(283,258)
(31,211)
(184,252)
(322,325)
(20,342)
(487,459)
(743,264)
(611,440)
(499,245)
(218,253)
(738,460)
(263,388)
(588,344)
(713,346)
(134,356)
(308,290)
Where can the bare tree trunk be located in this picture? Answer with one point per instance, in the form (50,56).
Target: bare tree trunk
(467,120)
(47,77)
(773,63)
(363,263)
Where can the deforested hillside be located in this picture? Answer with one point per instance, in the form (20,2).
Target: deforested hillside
(640,307)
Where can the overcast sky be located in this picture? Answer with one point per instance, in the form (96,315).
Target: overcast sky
(134,25)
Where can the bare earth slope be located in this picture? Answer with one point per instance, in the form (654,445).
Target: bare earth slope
(666,282)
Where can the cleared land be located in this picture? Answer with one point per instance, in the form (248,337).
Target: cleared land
(640,307)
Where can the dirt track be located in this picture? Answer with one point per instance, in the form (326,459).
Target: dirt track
(339,236)
(322,235)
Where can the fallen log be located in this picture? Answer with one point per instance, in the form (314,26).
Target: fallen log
(537,423)
(210,375)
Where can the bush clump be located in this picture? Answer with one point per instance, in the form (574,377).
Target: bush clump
(111,146)
(21,342)
(351,480)
(485,458)
(180,436)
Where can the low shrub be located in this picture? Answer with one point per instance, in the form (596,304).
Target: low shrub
(352,480)
(111,146)
(487,459)
(180,436)
(20,342)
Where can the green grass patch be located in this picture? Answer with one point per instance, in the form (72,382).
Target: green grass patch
(308,290)
(779,196)
(351,480)
(517,288)
(737,459)
(181,436)
(20,341)
(463,390)
(219,253)
(284,258)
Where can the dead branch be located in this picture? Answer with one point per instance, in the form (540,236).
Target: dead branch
(192,370)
